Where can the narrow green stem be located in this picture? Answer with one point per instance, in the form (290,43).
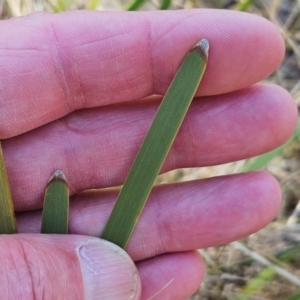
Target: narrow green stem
(56,205)
(156,145)
(7,218)
(135,4)
(244,5)
(165,4)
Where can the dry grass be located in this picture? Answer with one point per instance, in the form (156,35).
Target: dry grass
(230,273)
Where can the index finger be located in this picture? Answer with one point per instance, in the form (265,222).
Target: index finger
(54,64)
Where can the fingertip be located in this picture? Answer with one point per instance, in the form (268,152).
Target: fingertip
(286,109)
(107,271)
(266,192)
(280,112)
(199,265)
(268,184)
(254,51)
(271,37)
(194,271)
(171,276)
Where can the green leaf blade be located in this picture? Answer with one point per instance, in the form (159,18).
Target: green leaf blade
(8,224)
(244,5)
(135,5)
(56,205)
(155,147)
(93,4)
(262,160)
(165,4)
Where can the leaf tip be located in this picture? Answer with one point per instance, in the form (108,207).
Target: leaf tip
(58,175)
(203,46)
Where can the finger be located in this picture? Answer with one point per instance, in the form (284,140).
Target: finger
(180,217)
(65,267)
(171,276)
(54,64)
(95,149)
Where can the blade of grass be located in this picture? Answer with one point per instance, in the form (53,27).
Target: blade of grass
(263,278)
(135,4)
(262,260)
(261,161)
(56,205)
(156,145)
(165,4)
(259,282)
(62,5)
(93,4)
(7,218)
(295,296)
(244,5)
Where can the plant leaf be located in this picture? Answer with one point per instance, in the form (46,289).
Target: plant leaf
(244,5)
(62,5)
(56,205)
(261,161)
(7,218)
(156,145)
(93,4)
(135,4)
(165,4)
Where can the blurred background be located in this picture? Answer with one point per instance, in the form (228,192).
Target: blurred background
(265,265)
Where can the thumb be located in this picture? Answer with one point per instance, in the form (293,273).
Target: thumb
(36,266)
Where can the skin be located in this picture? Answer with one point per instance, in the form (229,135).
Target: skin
(71,91)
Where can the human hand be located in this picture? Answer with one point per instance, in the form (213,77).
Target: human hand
(71,98)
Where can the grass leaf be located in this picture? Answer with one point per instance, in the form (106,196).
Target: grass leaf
(56,205)
(7,218)
(244,5)
(93,4)
(62,5)
(135,5)
(294,296)
(165,4)
(156,145)
(261,161)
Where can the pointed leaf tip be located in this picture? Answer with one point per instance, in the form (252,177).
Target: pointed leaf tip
(203,45)
(156,145)
(56,205)
(58,175)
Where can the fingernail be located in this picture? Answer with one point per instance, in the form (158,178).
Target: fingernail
(107,271)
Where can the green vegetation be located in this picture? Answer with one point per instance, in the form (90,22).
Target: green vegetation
(56,205)
(7,219)
(156,145)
